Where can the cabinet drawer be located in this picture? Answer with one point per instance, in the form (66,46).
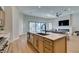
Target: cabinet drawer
(47,50)
(48,41)
(40,38)
(48,46)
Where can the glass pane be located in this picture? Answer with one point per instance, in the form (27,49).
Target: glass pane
(32,26)
(42,27)
(38,28)
(50,26)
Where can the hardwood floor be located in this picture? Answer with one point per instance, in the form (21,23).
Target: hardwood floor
(21,45)
(73,44)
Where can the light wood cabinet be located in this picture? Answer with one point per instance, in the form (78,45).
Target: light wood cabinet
(60,45)
(30,38)
(2,18)
(40,44)
(57,46)
(35,41)
(46,45)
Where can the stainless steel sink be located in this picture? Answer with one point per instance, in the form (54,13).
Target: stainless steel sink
(42,33)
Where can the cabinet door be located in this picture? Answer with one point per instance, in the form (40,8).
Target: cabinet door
(28,35)
(35,41)
(48,46)
(2,18)
(31,38)
(40,44)
(60,46)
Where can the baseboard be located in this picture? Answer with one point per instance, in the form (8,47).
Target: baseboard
(18,37)
(15,39)
(22,34)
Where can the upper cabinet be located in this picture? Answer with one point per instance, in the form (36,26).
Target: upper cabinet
(2,18)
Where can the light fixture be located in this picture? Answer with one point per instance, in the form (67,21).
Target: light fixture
(62,11)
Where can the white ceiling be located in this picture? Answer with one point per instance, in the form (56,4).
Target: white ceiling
(47,11)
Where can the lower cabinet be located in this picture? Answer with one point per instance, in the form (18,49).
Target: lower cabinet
(40,45)
(30,37)
(48,45)
(60,46)
(35,41)
(45,45)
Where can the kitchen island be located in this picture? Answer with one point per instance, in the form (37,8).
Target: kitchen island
(49,43)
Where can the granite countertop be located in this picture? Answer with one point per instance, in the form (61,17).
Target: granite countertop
(52,36)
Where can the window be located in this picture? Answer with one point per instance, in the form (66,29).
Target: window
(38,26)
(32,26)
(50,26)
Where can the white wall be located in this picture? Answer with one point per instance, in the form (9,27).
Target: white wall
(13,22)
(21,17)
(17,23)
(75,22)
